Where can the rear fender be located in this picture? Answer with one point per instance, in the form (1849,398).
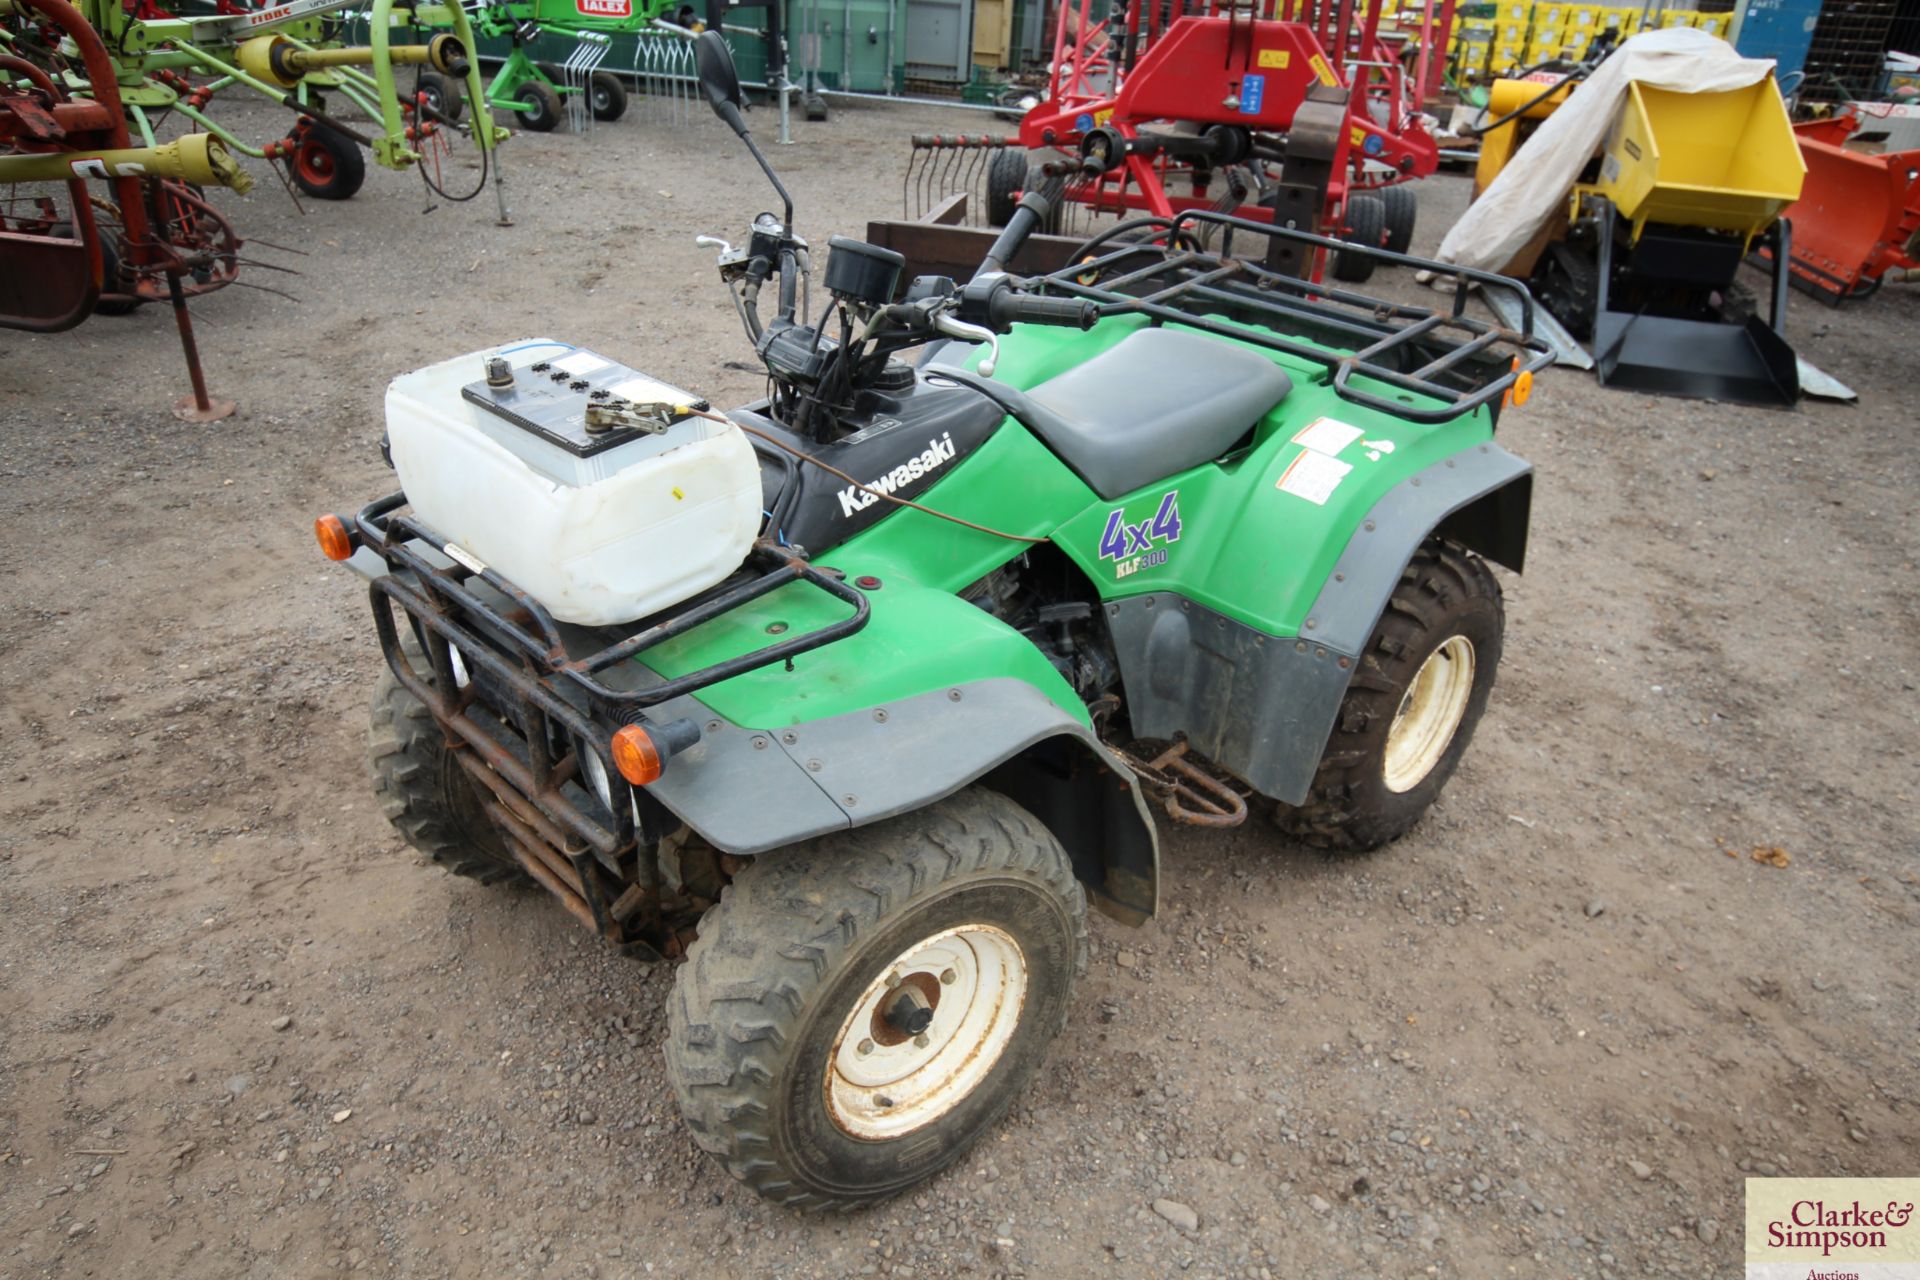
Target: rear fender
(1263,706)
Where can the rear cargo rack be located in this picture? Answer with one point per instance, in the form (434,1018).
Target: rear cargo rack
(536,635)
(1449,357)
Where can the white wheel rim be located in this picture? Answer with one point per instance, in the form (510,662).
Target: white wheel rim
(1429,714)
(881,1083)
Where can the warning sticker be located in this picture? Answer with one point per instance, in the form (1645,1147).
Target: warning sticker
(1276,58)
(1313,476)
(580,363)
(1320,68)
(1327,435)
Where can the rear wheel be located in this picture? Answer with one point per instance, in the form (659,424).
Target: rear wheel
(326,165)
(1366,220)
(1410,710)
(444,95)
(542,110)
(607,95)
(858,1010)
(1402,208)
(424,792)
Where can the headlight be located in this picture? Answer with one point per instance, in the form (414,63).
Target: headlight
(597,775)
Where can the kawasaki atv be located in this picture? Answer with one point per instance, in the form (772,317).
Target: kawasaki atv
(856,696)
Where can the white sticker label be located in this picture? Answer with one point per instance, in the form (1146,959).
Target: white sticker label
(580,363)
(1313,476)
(1327,435)
(463,556)
(649,391)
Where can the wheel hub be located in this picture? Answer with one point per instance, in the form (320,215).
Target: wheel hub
(926,1032)
(1430,712)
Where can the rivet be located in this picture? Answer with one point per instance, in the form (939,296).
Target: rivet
(953,695)
(814,766)
(1299,646)
(1415,482)
(1220,623)
(713,726)
(1345,663)
(1186,606)
(1312,623)
(776,628)
(789,737)
(1114,609)
(1449,461)
(1339,577)
(849,801)
(880,714)
(1319,653)
(1369,526)
(1149,602)
(1259,640)
(759,744)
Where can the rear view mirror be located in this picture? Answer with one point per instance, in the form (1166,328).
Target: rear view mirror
(718,79)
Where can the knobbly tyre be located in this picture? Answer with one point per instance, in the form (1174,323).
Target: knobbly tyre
(842,696)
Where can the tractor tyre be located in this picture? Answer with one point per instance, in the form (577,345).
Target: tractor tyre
(1411,707)
(1366,220)
(545,112)
(1006,177)
(858,1010)
(446,96)
(324,164)
(1402,207)
(607,95)
(424,793)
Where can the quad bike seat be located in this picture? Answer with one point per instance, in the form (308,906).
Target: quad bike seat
(1157,402)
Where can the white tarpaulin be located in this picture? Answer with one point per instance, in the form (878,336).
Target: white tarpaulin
(1534,185)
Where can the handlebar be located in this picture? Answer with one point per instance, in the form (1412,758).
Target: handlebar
(1008,308)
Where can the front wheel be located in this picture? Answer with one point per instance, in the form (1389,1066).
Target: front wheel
(1411,707)
(542,110)
(858,1010)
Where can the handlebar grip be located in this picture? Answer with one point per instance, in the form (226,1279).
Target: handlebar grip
(1008,307)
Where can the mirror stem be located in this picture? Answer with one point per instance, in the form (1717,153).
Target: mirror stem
(740,127)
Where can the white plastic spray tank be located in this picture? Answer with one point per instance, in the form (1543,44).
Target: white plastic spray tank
(584,483)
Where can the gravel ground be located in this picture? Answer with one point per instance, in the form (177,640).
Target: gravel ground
(243,1032)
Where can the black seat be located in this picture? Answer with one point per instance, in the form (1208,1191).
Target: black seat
(1157,402)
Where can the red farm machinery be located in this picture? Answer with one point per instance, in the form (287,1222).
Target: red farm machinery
(1858,217)
(1305,113)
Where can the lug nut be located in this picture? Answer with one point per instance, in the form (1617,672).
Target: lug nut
(866,1047)
(948,977)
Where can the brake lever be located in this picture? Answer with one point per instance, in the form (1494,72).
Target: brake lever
(960,329)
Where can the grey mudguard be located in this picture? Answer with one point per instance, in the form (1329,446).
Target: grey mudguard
(747,791)
(1263,705)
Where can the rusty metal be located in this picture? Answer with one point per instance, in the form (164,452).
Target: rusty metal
(49,286)
(528,710)
(1188,792)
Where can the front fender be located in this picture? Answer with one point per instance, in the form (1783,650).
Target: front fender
(748,791)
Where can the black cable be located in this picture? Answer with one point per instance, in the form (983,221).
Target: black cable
(1573,77)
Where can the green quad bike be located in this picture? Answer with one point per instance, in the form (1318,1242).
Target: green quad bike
(861,742)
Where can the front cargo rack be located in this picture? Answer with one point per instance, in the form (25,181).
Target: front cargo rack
(527,743)
(1449,357)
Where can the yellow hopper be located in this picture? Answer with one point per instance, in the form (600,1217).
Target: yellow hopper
(1722,161)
